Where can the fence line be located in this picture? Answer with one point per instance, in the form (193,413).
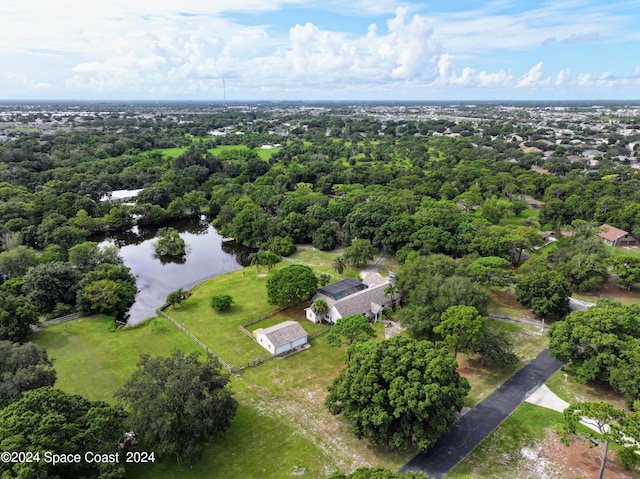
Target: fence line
(226,365)
(243,326)
(61,319)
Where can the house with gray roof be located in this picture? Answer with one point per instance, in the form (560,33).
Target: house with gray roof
(349,296)
(281,338)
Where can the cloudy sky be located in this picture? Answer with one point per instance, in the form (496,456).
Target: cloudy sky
(320,49)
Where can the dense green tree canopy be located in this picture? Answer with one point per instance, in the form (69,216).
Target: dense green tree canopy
(462,328)
(546,293)
(47,419)
(291,284)
(177,403)
(434,296)
(51,283)
(17,315)
(16,262)
(399,392)
(359,253)
(169,243)
(349,330)
(23,367)
(601,344)
(109,289)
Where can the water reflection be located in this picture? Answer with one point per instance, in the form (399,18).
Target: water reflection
(207,256)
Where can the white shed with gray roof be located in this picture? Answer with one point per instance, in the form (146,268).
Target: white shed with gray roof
(282,337)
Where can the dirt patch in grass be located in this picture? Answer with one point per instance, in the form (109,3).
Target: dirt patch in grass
(612,291)
(504,303)
(578,459)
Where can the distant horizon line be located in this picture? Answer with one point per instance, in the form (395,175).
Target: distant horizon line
(316,101)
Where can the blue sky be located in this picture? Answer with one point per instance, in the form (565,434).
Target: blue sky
(320,50)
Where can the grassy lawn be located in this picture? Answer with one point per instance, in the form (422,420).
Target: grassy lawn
(264,154)
(220,331)
(322,260)
(289,314)
(282,427)
(518,220)
(94,360)
(618,251)
(545,250)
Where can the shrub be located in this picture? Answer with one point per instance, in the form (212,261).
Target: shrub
(221,302)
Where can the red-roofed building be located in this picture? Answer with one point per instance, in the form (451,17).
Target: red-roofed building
(616,237)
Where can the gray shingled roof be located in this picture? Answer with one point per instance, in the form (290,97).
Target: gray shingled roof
(284,333)
(361,302)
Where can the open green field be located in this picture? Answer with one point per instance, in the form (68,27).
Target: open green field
(322,260)
(282,427)
(264,154)
(518,220)
(94,359)
(221,331)
(618,251)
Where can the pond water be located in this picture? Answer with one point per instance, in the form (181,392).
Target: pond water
(207,256)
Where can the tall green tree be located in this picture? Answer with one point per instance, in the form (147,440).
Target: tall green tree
(48,419)
(359,253)
(109,289)
(399,392)
(17,315)
(291,284)
(16,262)
(491,269)
(23,367)
(177,403)
(601,344)
(626,270)
(546,293)
(319,307)
(51,283)
(461,328)
(169,243)
(348,330)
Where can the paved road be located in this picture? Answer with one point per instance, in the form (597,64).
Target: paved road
(474,426)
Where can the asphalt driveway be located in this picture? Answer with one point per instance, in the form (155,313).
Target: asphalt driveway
(474,426)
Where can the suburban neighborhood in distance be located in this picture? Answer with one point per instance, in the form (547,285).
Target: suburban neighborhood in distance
(306,289)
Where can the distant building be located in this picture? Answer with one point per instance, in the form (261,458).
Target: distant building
(616,237)
(120,196)
(281,338)
(350,296)
(533,203)
(539,170)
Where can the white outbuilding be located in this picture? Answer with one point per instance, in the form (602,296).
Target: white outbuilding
(281,338)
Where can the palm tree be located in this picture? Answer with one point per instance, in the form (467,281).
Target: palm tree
(391,291)
(320,307)
(257,258)
(269,258)
(339,265)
